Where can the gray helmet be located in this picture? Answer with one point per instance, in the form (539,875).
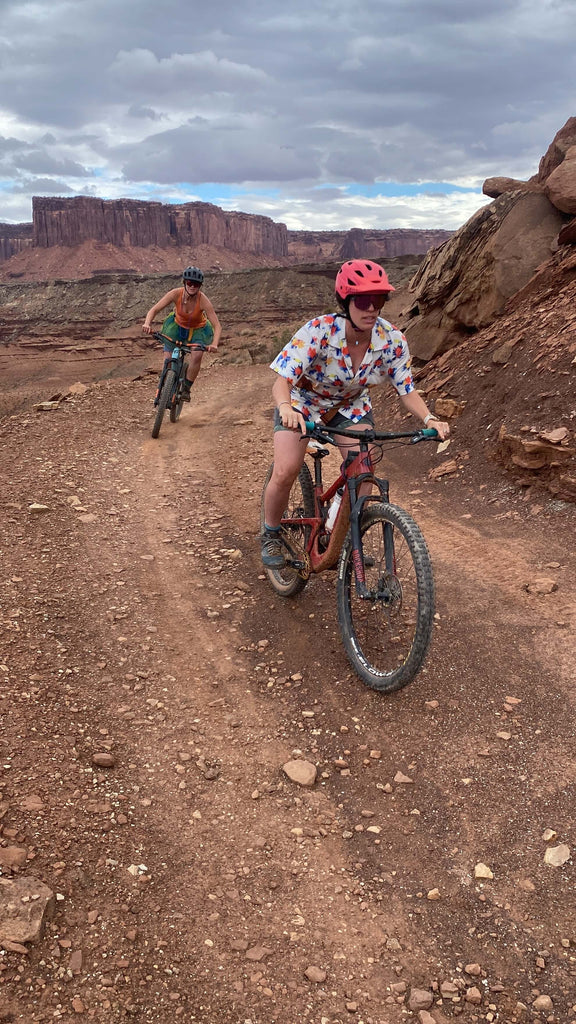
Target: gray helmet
(193,274)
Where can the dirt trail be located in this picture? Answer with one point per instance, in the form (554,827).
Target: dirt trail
(136,622)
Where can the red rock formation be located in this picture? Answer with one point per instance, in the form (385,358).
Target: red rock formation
(135,223)
(556,152)
(13,239)
(305,246)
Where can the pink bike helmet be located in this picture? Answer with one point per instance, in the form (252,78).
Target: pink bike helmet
(357,277)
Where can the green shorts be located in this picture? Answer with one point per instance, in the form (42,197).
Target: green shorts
(201,336)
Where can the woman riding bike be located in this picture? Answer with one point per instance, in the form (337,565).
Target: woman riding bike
(324,374)
(193,319)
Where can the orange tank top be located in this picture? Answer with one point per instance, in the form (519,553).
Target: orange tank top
(191,321)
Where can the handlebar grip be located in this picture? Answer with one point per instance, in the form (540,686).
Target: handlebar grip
(429,432)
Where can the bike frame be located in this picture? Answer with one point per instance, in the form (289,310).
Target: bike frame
(355,470)
(176,362)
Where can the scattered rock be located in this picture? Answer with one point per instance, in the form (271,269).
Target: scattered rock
(555,436)
(32,803)
(541,585)
(482,871)
(474,996)
(25,906)
(303,773)
(257,953)
(46,406)
(556,856)
(103,760)
(315,974)
(543,1004)
(451,466)
(448,408)
(426,1018)
(12,857)
(474,970)
(420,999)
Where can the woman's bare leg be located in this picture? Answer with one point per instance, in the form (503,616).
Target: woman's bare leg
(289,452)
(194,364)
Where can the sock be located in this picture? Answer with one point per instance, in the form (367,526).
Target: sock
(271,529)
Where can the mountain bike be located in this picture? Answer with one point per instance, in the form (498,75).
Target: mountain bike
(171,383)
(385,586)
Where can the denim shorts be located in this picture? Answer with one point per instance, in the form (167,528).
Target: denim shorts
(337,421)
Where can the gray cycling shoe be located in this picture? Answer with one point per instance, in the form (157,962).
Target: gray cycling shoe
(186,391)
(272,551)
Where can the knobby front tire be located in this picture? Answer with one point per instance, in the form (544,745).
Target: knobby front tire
(177,400)
(288,581)
(176,404)
(164,400)
(386,636)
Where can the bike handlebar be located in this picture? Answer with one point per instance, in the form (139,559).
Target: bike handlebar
(189,346)
(323,433)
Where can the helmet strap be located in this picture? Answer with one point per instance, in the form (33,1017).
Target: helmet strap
(345,303)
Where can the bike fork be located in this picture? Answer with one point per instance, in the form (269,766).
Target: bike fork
(161,380)
(358,560)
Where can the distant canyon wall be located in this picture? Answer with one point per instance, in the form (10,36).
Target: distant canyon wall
(132,223)
(309,246)
(129,223)
(13,239)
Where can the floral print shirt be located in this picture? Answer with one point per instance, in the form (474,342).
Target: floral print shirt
(318,359)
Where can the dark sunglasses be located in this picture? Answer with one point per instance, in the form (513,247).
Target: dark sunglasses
(375,300)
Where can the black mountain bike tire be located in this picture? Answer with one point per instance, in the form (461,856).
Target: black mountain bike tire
(288,581)
(396,629)
(164,400)
(177,400)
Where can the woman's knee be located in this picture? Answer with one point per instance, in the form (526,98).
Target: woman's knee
(284,475)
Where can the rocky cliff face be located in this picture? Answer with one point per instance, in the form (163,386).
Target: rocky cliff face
(305,246)
(131,223)
(462,286)
(13,239)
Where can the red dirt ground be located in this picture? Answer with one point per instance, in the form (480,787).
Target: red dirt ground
(136,621)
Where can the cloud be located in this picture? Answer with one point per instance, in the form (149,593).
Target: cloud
(282,102)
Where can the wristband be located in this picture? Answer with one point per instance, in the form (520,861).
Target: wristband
(429,417)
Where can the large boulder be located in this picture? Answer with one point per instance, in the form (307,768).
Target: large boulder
(556,175)
(560,185)
(495,187)
(557,150)
(464,284)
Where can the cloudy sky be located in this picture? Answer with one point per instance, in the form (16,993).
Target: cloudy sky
(323,114)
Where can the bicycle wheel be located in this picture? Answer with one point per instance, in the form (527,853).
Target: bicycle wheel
(289,581)
(164,400)
(177,400)
(386,636)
